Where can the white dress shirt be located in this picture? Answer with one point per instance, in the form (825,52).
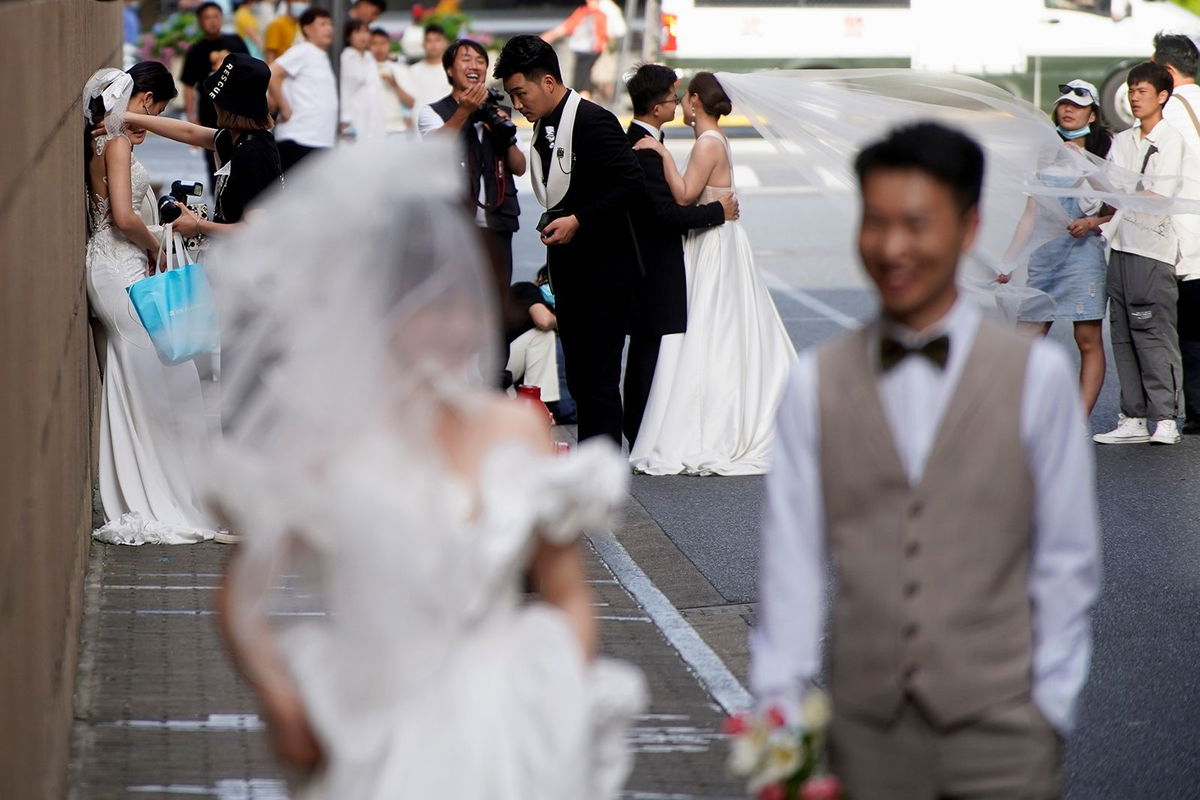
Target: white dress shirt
(1187,226)
(1064,576)
(655,132)
(1140,233)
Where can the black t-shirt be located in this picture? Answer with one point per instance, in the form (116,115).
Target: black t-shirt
(253,166)
(517,319)
(197,66)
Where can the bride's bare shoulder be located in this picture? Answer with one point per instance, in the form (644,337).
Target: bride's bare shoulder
(501,417)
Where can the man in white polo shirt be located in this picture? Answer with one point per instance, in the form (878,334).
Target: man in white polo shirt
(305,92)
(1179,55)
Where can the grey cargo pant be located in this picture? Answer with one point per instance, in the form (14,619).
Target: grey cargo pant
(1142,311)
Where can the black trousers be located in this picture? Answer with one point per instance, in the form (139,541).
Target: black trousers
(1189,347)
(499,249)
(292,153)
(591,326)
(583,71)
(640,362)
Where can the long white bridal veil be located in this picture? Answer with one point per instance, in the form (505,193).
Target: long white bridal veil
(351,303)
(818,120)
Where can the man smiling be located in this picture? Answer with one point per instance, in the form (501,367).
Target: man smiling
(938,462)
(491,164)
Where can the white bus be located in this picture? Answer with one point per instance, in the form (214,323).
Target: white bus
(1026,46)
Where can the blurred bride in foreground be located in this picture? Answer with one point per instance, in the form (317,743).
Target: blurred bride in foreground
(391,502)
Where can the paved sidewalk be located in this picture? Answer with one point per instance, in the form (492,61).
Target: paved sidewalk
(161,714)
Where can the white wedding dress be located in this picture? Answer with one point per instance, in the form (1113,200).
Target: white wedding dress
(422,670)
(148,409)
(711,409)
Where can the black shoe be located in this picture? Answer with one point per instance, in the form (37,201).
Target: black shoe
(1191,427)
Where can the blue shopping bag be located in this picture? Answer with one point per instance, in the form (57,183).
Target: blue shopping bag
(176,307)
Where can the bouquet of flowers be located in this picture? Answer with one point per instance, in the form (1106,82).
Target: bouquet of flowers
(782,761)
(169,38)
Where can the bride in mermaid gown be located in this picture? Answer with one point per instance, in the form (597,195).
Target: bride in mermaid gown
(711,409)
(147,409)
(390,504)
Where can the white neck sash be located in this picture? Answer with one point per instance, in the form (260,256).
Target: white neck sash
(558,180)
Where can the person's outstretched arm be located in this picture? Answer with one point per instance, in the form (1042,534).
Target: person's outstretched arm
(176,129)
(687,188)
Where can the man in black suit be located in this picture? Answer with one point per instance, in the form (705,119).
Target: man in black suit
(660,299)
(587,177)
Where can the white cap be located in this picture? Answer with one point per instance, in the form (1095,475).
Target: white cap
(1081,93)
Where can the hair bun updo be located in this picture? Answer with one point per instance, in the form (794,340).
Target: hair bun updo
(712,96)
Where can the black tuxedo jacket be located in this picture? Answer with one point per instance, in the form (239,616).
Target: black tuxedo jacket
(660,301)
(606,182)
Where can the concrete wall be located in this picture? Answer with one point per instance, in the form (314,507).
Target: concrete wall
(47,376)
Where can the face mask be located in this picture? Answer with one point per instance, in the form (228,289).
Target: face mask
(1079,134)
(547,295)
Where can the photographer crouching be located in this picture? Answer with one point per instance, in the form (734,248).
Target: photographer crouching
(492,156)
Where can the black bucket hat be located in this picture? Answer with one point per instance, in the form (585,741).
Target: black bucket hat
(240,86)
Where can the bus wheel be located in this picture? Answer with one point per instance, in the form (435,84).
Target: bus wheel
(1114,99)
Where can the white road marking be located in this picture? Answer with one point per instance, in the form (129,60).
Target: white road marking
(776,284)
(229,789)
(706,664)
(214,722)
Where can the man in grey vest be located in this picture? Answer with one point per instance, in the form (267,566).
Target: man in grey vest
(940,464)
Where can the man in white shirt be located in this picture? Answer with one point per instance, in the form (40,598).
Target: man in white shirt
(1142,293)
(938,462)
(1179,55)
(491,165)
(304,91)
(397,92)
(427,77)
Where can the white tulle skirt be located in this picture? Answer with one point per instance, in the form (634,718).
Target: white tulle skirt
(711,409)
(509,711)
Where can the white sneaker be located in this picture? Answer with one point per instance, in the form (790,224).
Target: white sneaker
(223,536)
(1129,430)
(1166,432)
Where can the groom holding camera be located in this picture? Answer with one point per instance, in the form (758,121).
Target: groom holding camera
(492,155)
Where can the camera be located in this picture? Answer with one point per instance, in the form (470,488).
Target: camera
(502,131)
(168,212)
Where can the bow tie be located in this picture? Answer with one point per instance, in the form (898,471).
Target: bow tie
(892,352)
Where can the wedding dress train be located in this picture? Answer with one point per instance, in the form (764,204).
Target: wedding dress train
(712,403)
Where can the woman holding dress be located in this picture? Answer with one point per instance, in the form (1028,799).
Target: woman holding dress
(391,502)
(148,409)
(711,409)
(1071,268)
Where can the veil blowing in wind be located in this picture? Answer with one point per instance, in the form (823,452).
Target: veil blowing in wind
(818,120)
(390,503)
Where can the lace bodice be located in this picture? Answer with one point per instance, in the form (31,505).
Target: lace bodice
(100,208)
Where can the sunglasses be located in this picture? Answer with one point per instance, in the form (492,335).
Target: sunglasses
(1078,91)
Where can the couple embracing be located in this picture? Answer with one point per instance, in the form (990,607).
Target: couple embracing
(618,209)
